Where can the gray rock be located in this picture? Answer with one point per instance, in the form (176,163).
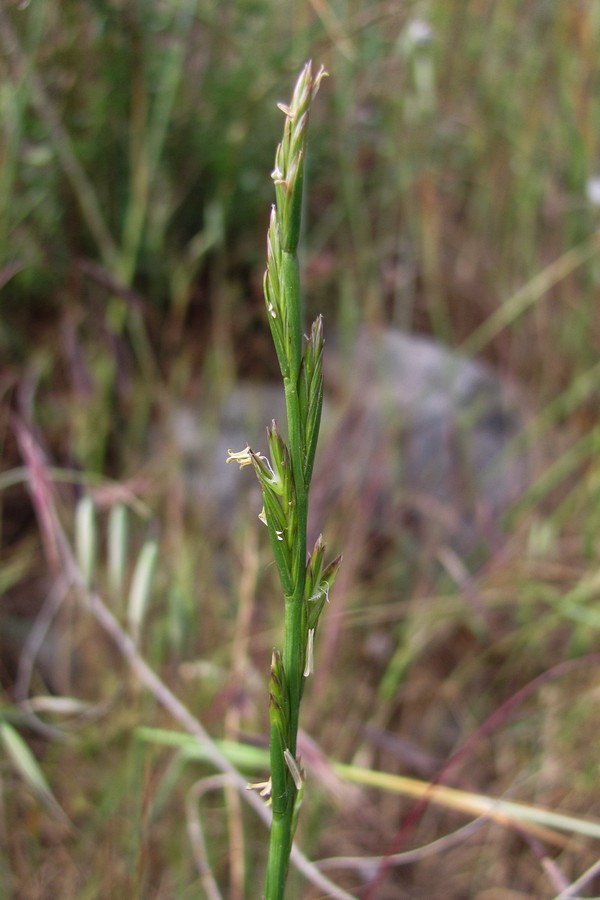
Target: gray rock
(429,436)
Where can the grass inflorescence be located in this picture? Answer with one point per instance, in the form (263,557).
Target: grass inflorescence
(285,478)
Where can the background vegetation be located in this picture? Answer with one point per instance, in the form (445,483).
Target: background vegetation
(453,191)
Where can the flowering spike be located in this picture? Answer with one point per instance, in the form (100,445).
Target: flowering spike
(285,477)
(289,159)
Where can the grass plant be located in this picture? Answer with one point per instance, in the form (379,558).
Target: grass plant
(285,479)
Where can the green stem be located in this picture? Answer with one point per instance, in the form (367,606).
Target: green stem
(283,296)
(282,826)
(294,639)
(279,854)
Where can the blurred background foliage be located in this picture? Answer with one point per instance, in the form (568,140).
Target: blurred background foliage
(453,190)
(451,167)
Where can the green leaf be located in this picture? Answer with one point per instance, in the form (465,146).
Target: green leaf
(141,588)
(27,766)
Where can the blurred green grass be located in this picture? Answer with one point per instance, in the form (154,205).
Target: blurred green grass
(450,167)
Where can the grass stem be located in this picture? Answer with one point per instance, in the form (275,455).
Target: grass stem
(285,479)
